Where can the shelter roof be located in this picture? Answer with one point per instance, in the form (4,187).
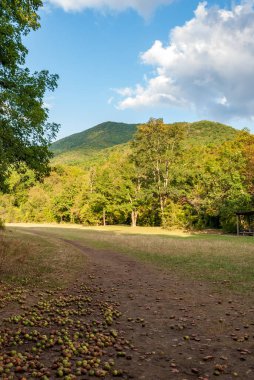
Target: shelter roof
(247,213)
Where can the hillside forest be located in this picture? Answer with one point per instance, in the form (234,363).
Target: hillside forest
(181,175)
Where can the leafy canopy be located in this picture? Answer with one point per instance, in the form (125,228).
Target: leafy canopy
(25,134)
(164,177)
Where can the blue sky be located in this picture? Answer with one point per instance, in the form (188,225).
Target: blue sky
(111,68)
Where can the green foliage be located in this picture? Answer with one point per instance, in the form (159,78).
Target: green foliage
(17,17)
(157,152)
(25,134)
(101,136)
(169,175)
(96,144)
(206,132)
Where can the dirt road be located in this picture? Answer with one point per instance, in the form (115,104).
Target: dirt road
(178,328)
(188,330)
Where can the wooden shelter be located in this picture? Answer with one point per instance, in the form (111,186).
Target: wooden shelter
(245,223)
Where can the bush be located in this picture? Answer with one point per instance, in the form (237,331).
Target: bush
(174,216)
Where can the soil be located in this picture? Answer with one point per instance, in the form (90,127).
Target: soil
(170,327)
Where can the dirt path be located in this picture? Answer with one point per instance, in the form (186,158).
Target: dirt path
(180,329)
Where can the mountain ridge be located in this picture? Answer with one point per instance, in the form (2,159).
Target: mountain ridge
(101,136)
(99,140)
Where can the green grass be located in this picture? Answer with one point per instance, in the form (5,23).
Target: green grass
(227,261)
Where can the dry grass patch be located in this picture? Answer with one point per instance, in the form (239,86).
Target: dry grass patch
(36,261)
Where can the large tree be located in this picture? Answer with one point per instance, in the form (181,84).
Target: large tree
(25,134)
(157,149)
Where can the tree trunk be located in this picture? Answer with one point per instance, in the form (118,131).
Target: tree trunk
(134,217)
(104,217)
(162,208)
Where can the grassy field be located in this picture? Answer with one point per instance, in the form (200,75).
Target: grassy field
(70,319)
(223,259)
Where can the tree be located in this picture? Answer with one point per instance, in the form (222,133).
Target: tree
(245,142)
(119,188)
(214,185)
(156,153)
(25,134)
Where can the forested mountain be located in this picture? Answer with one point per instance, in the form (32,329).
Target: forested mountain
(187,175)
(104,135)
(95,144)
(206,132)
(108,134)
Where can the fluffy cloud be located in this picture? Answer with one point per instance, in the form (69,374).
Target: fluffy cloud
(208,65)
(144,7)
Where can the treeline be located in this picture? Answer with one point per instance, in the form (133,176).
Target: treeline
(161,178)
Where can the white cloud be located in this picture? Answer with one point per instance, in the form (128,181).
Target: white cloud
(49,102)
(144,7)
(208,65)
(110,100)
(127,91)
